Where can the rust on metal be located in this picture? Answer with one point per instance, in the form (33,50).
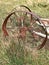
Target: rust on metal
(4,24)
(22,31)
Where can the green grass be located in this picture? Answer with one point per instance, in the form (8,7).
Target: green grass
(15,54)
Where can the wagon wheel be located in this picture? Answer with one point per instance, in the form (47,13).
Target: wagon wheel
(18,16)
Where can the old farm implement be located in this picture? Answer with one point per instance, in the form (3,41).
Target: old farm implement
(24,24)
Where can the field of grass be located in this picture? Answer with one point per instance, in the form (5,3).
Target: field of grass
(11,52)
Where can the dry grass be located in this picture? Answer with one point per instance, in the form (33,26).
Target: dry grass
(13,53)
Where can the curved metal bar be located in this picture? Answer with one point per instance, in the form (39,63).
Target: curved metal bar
(4,24)
(26,7)
(44,42)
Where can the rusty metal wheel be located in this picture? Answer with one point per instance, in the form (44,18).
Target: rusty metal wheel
(17,24)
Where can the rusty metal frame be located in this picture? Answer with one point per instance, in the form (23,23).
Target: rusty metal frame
(36,17)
